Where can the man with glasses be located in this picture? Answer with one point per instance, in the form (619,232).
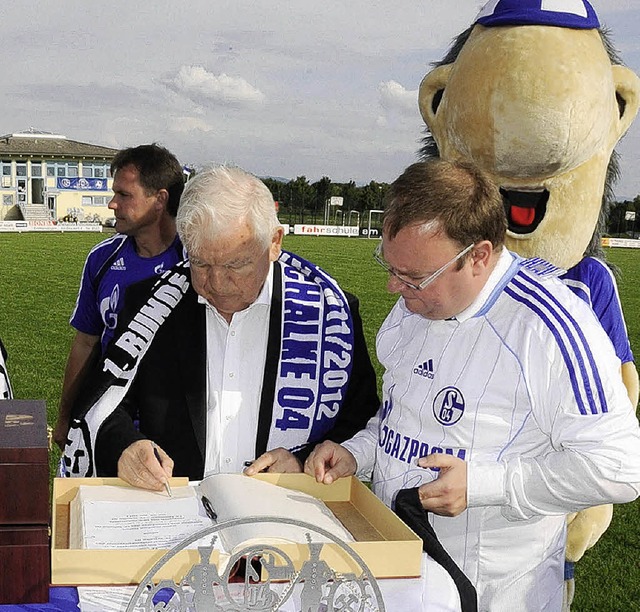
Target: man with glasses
(243,351)
(501,406)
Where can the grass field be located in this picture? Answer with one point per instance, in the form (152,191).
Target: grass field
(39,276)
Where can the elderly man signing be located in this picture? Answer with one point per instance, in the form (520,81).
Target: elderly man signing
(241,350)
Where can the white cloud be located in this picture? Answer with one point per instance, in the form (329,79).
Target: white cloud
(394,97)
(189,124)
(613,6)
(203,87)
(287,89)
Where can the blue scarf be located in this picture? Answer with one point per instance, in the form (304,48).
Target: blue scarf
(314,366)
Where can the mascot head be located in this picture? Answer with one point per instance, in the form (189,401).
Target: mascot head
(535,95)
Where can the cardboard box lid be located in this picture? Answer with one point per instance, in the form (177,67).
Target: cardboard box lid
(23,431)
(384,542)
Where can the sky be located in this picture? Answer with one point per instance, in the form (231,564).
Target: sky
(281,88)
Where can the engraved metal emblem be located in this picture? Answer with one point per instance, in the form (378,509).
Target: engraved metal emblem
(260,578)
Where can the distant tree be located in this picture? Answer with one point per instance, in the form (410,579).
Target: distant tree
(636,222)
(324,190)
(275,187)
(351,195)
(373,195)
(298,198)
(302,195)
(618,224)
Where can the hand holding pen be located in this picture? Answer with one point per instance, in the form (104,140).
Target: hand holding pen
(144,464)
(156,452)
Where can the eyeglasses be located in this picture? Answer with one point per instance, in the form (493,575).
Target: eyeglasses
(377,255)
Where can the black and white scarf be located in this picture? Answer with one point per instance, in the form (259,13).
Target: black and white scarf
(5,385)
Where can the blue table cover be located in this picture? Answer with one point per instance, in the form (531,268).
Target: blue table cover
(61,599)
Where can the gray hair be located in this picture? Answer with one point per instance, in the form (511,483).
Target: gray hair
(216,198)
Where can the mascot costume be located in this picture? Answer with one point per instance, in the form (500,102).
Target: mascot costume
(534,94)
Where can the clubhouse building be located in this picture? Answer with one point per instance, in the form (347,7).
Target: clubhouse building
(46,178)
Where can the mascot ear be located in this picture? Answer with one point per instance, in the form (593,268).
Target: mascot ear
(431,90)
(628,96)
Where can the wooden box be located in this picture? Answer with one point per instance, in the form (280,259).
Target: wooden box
(24,559)
(388,547)
(24,502)
(24,463)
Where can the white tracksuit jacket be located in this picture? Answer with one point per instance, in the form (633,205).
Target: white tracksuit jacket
(525,386)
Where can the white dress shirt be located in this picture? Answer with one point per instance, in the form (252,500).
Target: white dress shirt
(236,354)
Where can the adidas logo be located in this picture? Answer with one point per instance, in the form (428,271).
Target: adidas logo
(425,369)
(118,264)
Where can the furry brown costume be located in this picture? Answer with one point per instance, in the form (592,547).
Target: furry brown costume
(540,107)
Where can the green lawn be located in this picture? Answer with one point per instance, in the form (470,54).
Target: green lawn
(39,276)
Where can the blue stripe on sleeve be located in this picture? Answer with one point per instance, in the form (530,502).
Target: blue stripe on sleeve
(557,319)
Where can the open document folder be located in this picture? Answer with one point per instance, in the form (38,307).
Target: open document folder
(385,544)
(110,517)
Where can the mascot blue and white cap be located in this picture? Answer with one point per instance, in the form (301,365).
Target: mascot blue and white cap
(577,14)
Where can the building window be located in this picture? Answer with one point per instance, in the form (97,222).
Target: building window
(95,200)
(36,169)
(95,170)
(62,169)
(7,199)
(5,172)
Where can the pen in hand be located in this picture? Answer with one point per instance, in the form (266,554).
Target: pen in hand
(167,487)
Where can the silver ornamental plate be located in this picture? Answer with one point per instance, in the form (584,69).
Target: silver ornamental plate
(268,580)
